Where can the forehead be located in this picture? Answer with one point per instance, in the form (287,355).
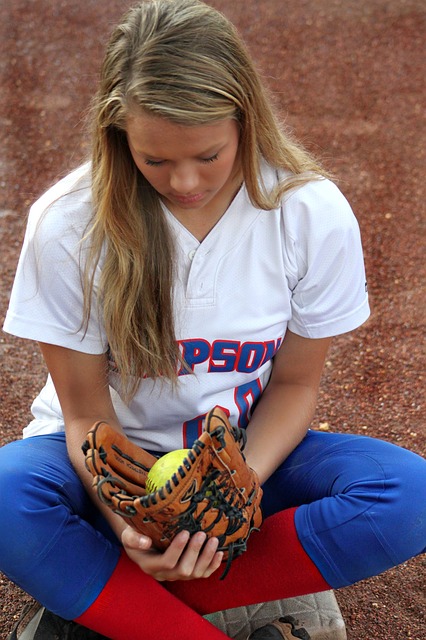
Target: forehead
(158,137)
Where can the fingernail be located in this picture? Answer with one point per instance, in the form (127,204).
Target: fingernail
(143,542)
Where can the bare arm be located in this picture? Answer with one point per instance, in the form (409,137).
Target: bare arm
(81,382)
(285,410)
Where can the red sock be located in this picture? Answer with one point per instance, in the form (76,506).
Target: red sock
(275,566)
(134,605)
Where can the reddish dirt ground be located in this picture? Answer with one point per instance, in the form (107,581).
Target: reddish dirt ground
(349,78)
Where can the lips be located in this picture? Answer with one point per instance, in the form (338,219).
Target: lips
(188,199)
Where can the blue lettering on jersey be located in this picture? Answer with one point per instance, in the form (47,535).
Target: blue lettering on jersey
(223,356)
(194,352)
(246,397)
(192,429)
(251,356)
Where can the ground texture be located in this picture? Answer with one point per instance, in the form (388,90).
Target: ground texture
(348,76)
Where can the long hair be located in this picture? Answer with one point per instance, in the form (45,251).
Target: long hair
(184,61)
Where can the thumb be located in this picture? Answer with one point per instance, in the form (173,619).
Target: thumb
(131,539)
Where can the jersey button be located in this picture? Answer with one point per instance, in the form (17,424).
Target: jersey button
(192,253)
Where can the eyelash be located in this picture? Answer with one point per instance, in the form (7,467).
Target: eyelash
(211,159)
(152,163)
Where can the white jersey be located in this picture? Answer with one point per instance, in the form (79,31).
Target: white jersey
(255,275)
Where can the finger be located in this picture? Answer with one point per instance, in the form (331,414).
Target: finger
(161,565)
(214,565)
(134,540)
(165,565)
(209,559)
(172,555)
(193,554)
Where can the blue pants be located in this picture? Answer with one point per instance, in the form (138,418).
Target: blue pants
(362,510)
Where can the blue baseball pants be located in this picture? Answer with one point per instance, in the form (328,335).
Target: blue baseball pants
(361,510)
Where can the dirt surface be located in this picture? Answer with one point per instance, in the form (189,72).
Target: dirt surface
(349,78)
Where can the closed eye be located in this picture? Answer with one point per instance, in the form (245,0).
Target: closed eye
(211,159)
(154,163)
(158,163)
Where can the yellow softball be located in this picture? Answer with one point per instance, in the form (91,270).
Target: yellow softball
(164,468)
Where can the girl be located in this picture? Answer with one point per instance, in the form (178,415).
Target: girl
(201,258)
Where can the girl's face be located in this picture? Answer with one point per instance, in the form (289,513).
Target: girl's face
(194,169)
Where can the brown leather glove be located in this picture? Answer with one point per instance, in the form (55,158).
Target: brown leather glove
(214,490)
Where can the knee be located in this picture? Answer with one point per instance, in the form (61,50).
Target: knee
(13,477)
(30,502)
(409,502)
(387,488)
(15,507)
(399,512)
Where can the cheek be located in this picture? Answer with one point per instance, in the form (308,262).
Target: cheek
(153,176)
(225,170)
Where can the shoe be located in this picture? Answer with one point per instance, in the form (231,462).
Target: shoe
(282,629)
(36,623)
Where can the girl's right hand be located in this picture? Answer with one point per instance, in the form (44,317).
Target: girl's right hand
(187,558)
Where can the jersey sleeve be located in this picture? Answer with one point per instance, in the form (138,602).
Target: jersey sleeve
(324,262)
(46,302)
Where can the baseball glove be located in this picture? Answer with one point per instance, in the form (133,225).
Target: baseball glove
(213,490)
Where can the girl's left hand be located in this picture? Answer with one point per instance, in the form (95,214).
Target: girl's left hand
(187,558)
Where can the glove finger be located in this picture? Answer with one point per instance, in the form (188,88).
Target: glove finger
(108,487)
(126,459)
(105,480)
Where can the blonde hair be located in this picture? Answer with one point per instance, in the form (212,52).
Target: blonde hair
(184,61)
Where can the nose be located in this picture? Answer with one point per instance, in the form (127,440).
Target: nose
(184,179)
